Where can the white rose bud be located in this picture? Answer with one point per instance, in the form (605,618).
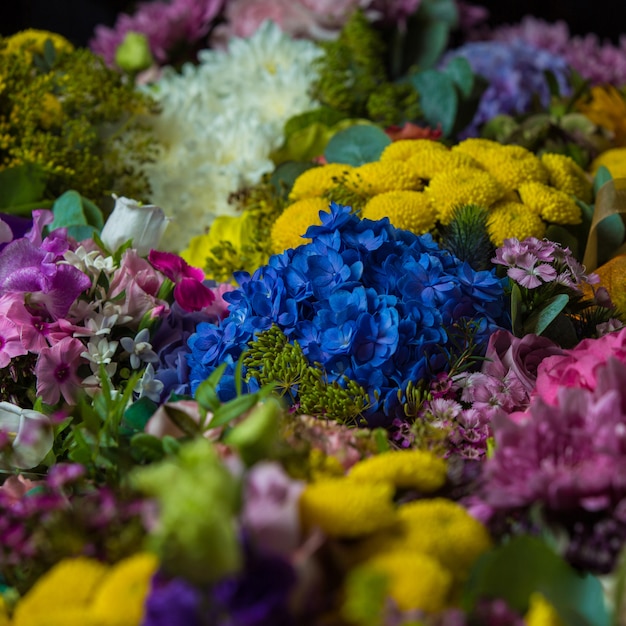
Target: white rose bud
(144,224)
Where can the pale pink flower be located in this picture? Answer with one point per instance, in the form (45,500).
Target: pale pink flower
(56,371)
(10,341)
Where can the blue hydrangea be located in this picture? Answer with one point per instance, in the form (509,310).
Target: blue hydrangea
(364,299)
(516,73)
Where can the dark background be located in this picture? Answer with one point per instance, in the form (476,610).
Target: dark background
(76,19)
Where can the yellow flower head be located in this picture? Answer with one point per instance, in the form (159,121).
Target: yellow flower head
(552,204)
(427,163)
(416,581)
(508,218)
(606,107)
(380,176)
(294,221)
(476,147)
(33,41)
(404,149)
(568,176)
(541,612)
(444,530)
(513,165)
(317,181)
(614,160)
(344,508)
(51,111)
(459,186)
(408,210)
(405,469)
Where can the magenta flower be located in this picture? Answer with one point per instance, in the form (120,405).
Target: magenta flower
(10,341)
(56,371)
(531,274)
(189,291)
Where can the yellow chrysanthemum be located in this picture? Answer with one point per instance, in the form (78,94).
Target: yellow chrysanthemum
(377,177)
(33,41)
(513,165)
(614,160)
(428,163)
(606,107)
(541,612)
(404,149)
(476,147)
(121,596)
(4,613)
(63,595)
(408,210)
(508,219)
(315,182)
(414,469)
(565,174)
(416,581)
(51,111)
(458,186)
(552,204)
(343,508)
(322,466)
(294,221)
(444,530)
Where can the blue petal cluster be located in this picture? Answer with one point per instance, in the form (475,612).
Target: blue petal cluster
(364,299)
(516,72)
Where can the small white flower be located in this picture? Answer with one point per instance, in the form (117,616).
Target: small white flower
(100,351)
(148,386)
(140,349)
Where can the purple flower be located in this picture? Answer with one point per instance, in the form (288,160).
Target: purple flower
(172,602)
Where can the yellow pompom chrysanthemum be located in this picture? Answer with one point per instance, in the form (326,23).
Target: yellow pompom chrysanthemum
(317,181)
(416,581)
(32,41)
(541,612)
(476,147)
(294,221)
(614,160)
(428,163)
(552,204)
(568,176)
(513,219)
(344,508)
(458,186)
(377,177)
(404,149)
(414,469)
(408,210)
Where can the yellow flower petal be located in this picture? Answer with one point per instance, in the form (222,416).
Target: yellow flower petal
(294,221)
(408,210)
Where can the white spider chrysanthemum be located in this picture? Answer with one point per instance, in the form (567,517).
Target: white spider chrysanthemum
(220,121)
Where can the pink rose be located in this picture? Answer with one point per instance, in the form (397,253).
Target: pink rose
(578,367)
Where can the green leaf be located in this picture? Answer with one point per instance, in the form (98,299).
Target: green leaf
(324,115)
(79,215)
(145,447)
(524,565)
(566,238)
(356,145)
(538,321)
(460,72)
(602,176)
(610,232)
(21,185)
(284,176)
(171,445)
(137,415)
(233,409)
(49,53)
(438,98)
(184,421)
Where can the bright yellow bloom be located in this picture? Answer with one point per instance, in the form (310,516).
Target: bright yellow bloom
(317,181)
(345,508)
(513,219)
(458,186)
(377,177)
(4,613)
(404,149)
(606,107)
(568,176)
(476,147)
(408,210)
(541,612)
(294,221)
(427,163)
(405,469)
(614,160)
(51,112)
(416,581)
(33,41)
(552,204)
(323,466)
(444,530)
(82,591)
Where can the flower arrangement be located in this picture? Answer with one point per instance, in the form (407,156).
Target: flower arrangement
(383,389)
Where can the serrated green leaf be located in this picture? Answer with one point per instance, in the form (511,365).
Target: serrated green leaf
(460,72)
(540,320)
(357,145)
(233,409)
(438,98)
(524,565)
(21,185)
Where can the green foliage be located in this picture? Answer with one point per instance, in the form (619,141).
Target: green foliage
(366,592)
(272,359)
(357,145)
(467,238)
(79,215)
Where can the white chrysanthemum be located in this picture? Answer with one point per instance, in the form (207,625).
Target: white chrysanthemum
(220,121)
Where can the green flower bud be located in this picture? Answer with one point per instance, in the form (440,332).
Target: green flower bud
(133,54)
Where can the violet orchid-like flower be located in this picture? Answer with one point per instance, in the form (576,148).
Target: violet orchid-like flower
(190,293)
